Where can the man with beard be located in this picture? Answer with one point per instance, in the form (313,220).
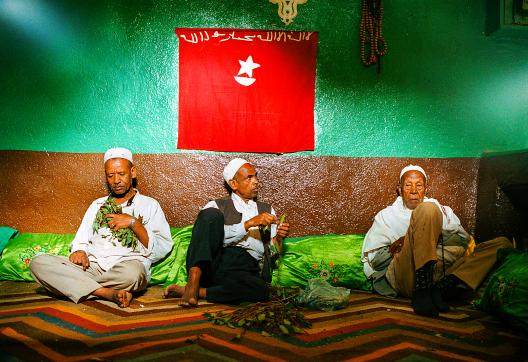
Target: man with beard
(229,257)
(418,249)
(99,265)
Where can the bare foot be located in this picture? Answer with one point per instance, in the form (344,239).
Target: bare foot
(174,291)
(192,289)
(121,297)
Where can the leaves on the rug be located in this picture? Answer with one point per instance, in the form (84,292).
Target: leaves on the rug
(277,316)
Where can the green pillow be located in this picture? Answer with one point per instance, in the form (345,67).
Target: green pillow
(15,258)
(335,258)
(172,269)
(506,293)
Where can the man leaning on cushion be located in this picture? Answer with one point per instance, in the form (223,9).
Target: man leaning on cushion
(99,264)
(417,248)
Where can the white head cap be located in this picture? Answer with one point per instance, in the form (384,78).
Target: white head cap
(412,168)
(118,152)
(232,167)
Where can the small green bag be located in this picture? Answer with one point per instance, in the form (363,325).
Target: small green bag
(320,295)
(506,294)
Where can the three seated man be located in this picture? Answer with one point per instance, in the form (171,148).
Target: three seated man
(416,247)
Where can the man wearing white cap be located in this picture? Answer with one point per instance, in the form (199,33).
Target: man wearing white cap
(417,248)
(228,259)
(101,263)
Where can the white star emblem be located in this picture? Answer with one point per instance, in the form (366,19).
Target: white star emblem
(246,67)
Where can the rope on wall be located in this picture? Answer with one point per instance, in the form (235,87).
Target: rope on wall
(373,45)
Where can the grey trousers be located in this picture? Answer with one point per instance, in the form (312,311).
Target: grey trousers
(60,276)
(420,247)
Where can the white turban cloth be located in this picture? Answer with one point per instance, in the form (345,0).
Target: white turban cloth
(118,152)
(232,168)
(412,168)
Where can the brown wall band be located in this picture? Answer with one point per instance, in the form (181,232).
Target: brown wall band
(49,192)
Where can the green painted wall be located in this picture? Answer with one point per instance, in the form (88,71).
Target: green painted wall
(79,76)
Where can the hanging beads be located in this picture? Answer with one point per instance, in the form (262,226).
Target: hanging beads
(370,32)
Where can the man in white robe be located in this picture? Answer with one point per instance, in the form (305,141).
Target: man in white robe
(99,265)
(417,248)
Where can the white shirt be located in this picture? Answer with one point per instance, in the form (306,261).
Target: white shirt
(237,235)
(104,249)
(392,223)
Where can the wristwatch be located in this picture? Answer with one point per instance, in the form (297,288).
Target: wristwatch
(132,222)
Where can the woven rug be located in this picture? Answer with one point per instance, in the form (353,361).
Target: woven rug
(37,327)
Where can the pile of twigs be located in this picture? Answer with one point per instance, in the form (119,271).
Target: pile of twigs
(279,315)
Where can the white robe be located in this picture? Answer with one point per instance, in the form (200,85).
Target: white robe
(392,223)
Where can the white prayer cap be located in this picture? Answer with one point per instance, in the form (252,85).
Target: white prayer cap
(118,152)
(412,168)
(232,167)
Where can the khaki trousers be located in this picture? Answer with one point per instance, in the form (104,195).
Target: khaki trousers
(60,276)
(421,241)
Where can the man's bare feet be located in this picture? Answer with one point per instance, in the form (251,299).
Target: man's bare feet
(121,297)
(174,291)
(192,289)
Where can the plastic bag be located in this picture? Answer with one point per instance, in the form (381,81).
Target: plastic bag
(319,294)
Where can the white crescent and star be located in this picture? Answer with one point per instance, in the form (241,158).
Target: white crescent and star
(246,67)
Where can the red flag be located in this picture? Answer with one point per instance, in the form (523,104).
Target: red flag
(246,90)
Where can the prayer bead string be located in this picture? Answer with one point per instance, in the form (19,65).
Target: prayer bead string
(370,32)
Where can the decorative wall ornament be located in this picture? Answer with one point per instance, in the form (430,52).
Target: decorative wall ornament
(372,44)
(287,9)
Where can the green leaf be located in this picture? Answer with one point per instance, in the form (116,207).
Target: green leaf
(283,329)
(297,330)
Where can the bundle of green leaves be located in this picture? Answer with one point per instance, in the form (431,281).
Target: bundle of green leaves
(267,229)
(125,236)
(278,316)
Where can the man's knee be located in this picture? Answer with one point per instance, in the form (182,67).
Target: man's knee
(427,213)
(500,242)
(130,273)
(210,215)
(427,209)
(135,282)
(40,262)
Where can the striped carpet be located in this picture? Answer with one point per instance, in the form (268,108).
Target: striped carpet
(35,326)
